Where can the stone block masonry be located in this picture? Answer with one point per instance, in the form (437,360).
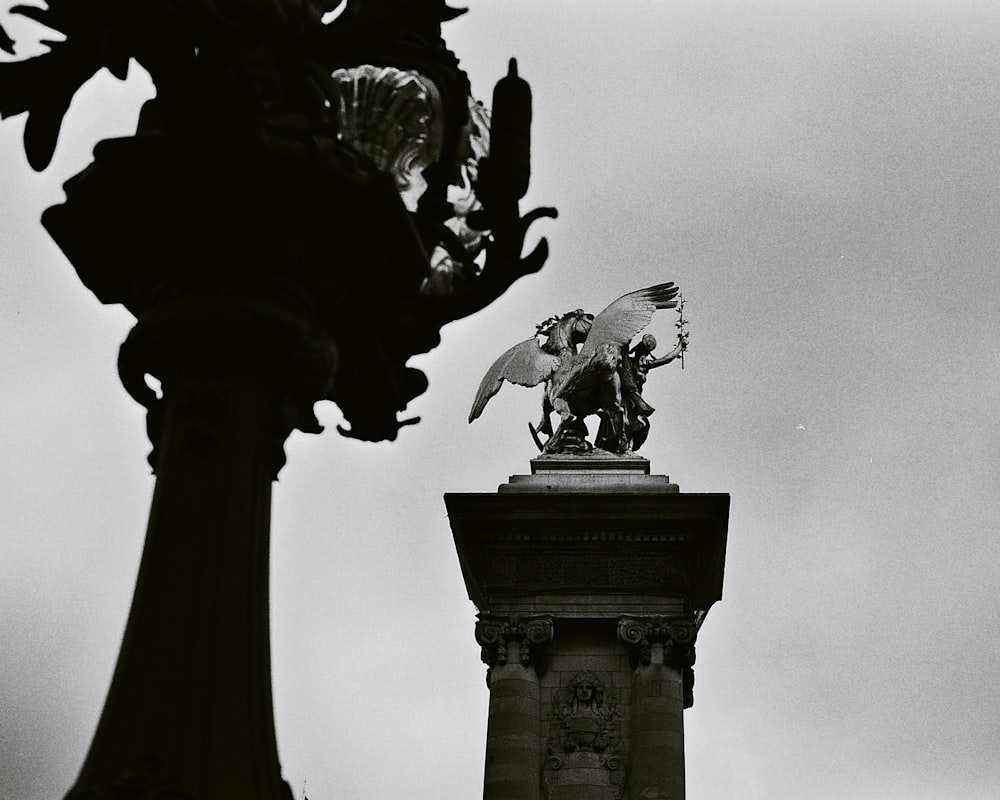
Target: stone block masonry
(592,579)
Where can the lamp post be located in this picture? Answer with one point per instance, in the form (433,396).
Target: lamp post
(310,196)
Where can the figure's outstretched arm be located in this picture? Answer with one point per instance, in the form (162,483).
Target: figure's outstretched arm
(659,362)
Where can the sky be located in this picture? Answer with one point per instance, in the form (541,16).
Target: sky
(821,179)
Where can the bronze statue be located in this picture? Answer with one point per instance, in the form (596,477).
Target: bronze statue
(601,377)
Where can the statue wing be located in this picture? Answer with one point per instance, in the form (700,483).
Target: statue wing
(525,364)
(628,315)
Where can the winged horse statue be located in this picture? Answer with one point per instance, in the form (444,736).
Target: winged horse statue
(578,382)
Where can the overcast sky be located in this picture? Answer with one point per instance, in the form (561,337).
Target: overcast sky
(821,179)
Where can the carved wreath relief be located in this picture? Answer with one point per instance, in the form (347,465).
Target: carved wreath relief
(584,740)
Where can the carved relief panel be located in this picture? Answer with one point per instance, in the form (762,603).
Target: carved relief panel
(584,744)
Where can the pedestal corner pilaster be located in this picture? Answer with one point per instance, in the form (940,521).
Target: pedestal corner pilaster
(671,637)
(513,638)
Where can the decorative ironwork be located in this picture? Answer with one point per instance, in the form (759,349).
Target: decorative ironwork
(331,145)
(456,260)
(393,117)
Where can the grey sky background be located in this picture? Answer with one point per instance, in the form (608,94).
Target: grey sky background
(821,179)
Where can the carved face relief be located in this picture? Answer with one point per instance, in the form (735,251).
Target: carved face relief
(584,741)
(584,717)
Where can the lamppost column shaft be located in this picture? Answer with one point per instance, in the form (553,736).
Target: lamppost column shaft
(189,710)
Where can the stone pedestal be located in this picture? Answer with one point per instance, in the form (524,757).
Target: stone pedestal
(592,578)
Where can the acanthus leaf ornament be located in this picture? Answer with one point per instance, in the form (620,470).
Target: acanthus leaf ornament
(393,117)
(340,149)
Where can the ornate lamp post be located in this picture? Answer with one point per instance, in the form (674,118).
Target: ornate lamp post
(309,197)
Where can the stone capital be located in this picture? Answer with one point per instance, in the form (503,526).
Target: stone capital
(496,633)
(673,636)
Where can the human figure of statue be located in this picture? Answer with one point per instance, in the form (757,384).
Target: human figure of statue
(633,368)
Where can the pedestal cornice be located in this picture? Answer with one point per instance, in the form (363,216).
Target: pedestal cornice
(642,549)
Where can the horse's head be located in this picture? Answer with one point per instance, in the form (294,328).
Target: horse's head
(567,331)
(576,325)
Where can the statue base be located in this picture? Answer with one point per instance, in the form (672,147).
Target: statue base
(597,471)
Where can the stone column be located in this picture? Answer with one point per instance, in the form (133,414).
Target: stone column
(661,655)
(511,648)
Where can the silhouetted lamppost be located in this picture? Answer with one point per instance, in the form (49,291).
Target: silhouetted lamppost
(309,197)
